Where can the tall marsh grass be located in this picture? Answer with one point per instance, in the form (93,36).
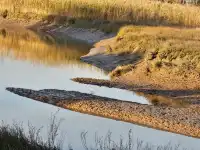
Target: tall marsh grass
(134,11)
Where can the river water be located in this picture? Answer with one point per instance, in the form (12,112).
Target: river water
(29,61)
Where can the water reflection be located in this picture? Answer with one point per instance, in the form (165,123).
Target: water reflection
(37,49)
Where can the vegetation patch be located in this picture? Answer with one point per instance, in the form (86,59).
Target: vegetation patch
(161,47)
(14,137)
(137,12)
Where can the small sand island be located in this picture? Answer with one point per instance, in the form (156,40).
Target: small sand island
(149,47)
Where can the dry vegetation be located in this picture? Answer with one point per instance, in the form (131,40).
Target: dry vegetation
(15,138)
(137,11)
(161,46)
(169,57)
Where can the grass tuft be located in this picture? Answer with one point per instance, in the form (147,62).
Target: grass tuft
(121,70)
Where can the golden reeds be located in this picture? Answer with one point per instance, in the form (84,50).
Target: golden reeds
(135,11)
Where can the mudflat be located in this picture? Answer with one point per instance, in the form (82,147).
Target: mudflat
(184,120)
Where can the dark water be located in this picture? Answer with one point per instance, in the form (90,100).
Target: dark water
(27,61)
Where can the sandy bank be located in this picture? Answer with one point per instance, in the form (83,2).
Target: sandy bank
(186,96)
(163,57)
(183,120)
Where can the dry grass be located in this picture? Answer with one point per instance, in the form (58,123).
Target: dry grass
(121,70)
(161,46)
(106,143)
(190,2)
(134,11)
(15,138)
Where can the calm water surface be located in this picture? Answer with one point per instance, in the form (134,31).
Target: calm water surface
(28,62)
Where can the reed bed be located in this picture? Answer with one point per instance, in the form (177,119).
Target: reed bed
(134,11)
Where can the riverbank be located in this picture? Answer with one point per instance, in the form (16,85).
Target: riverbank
(162,97)
(183,120)
(55,31)
(165,58)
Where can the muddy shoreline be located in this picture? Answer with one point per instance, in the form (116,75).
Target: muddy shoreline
(182,121)
(87,36)
(188,96)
